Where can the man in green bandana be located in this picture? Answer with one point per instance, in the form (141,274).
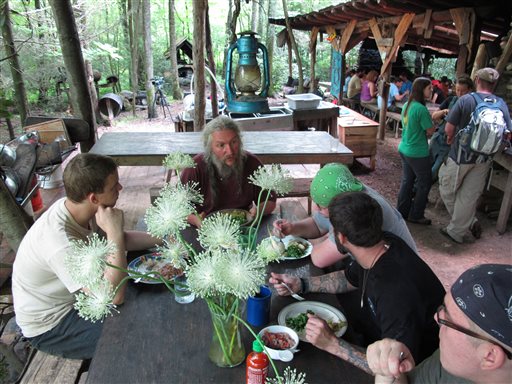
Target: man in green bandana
(330,181)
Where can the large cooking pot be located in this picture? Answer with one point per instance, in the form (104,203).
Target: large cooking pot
(7,156)
(11,179)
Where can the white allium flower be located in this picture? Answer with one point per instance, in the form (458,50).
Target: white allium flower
(175,252)
(273,178)
(269,251)
(241,273)
(219,231)
(86,261)
(178,161)
(167,217)
(202,276)
(97,303)
(184,193)
(290,376)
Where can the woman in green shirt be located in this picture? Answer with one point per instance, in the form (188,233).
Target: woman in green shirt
(413,149)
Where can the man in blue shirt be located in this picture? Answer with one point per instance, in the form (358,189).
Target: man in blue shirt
(406,83)
(394,94)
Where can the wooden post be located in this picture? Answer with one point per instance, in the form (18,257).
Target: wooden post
(464,20)
(199,12)
(480,60)
(505,56)
(312,52)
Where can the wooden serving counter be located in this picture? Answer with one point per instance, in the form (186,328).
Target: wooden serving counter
(358,133)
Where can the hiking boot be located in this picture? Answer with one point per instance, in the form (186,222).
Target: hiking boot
(422,221)
(466,239)
(476,229)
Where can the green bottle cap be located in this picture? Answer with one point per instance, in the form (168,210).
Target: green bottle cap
(257,346)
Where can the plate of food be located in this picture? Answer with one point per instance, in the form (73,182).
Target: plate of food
(153,262)
(295,317)
(296,247)
(241,216)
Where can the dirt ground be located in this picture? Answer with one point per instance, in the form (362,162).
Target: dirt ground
(446,258)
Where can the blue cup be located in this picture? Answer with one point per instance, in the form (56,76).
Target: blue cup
(258,307)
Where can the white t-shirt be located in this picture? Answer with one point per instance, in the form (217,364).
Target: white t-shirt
(41,285)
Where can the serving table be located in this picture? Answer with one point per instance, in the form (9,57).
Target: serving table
(153,339)
(358,133)
(280,147)
(321,118)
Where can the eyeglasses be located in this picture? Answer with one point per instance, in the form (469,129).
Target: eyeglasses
(466,331)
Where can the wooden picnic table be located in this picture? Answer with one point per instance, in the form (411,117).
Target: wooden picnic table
(281,147)
(153,339)
(358,133)
(432,107)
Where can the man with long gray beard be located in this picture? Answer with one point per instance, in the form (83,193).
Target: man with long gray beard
(222,172)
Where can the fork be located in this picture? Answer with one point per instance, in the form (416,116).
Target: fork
(294,295)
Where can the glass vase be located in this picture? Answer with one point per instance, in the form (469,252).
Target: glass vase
(226,348)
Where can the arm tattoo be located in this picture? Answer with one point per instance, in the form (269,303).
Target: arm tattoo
(354,355)
(335,282)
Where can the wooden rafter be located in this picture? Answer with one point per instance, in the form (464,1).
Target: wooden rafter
(400,34)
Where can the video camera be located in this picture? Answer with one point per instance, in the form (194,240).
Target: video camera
(158,81)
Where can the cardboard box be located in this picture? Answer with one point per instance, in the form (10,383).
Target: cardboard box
(49,131)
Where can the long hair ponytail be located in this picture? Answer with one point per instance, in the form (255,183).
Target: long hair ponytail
(417,92)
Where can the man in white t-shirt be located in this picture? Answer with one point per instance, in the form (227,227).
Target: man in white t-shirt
(43,290)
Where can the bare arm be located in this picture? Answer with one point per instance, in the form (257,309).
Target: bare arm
(335,282)
(321,336)
(325,253)
(111,221)
(305,228)
(449,129)
(137,240)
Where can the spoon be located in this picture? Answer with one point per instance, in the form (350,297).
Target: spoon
(294,295)
(285,355)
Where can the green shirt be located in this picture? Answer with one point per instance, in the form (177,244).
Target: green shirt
(431,371)
(414,136)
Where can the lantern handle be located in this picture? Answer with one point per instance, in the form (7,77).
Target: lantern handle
(266,70)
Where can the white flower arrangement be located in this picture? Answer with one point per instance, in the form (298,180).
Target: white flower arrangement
(228,270)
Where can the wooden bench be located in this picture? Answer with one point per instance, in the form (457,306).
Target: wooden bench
(370,110)
(395,120)
(350,103)
(300,189)
(43,368)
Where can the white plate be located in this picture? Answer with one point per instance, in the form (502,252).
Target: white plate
(287,239)
(324,311)
(145,264)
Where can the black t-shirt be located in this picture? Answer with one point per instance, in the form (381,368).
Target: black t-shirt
(401,297)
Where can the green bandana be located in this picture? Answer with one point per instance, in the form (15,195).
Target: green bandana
(330,181)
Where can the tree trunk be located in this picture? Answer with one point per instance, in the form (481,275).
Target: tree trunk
(148,59)
(73,59)
(14,221)
(126,33)
(199,12)
(42,79)
(134,27)
(300,87)
(270,37)
(254,16)
(231,30)
(175,85)
(261,18)
(11,53)
(211,60)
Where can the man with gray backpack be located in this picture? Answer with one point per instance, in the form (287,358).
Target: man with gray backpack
(475,128)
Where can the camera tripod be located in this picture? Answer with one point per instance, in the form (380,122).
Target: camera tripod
(160,97)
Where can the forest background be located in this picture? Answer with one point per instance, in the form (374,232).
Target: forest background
(107,30)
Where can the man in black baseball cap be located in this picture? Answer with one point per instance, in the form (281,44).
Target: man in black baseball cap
(475,335)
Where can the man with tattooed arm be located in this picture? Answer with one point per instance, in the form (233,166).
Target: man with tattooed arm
(397,293)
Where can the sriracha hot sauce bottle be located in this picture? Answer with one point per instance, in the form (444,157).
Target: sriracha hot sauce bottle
(257,365)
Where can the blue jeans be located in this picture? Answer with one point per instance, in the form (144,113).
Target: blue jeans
(73,338)
(414,187)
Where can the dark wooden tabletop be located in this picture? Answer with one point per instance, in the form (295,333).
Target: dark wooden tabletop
(281,147)
(153,339)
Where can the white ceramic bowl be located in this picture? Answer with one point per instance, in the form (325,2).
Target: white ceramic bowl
(277,354)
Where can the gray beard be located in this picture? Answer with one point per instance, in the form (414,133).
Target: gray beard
(217,169)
